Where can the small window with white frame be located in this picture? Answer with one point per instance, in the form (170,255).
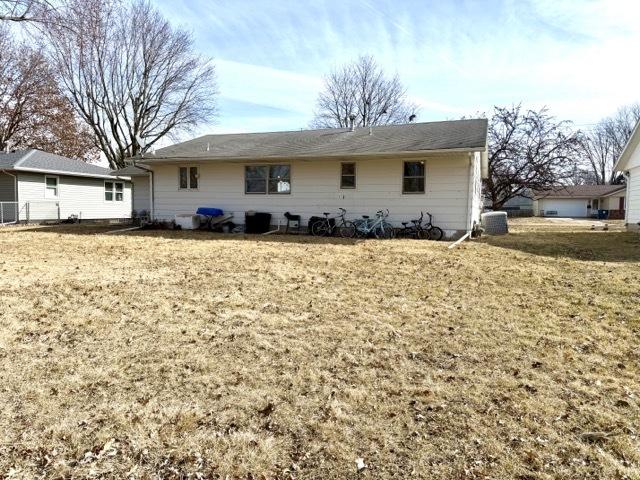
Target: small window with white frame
(51,186)
(113,191)
(413,177)
(188,178)
(347,175)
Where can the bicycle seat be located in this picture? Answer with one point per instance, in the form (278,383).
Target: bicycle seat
(405,223)
(326,214)
(365,216)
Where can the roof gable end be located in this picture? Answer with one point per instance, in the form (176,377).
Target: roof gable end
(630,156)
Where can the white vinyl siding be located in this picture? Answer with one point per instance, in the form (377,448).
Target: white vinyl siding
(82,196)
(316,189)
(633,199)
(141,193)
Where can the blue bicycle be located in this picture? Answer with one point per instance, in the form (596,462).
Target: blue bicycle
(377,227)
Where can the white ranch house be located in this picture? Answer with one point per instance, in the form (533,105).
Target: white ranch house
(36,186)
(435,167)
(629,165)
(581,201)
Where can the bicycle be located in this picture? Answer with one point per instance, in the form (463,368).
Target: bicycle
(416,230)
(325,227)
(419,231)
(435,233)
(379,227)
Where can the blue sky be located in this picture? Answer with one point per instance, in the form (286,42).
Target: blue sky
(454,57)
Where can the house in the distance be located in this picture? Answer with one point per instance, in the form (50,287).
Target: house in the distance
(518,206)
(629,165)
(37,186)
(581,201)
(431,167)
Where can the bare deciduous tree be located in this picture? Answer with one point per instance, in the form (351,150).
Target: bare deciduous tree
(33,111)
(528,151)
(361,91)
(603,145)
(132,77)
(37,11)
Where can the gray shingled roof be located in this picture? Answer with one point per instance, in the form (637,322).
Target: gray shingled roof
(7,159)
(413,137)
(48,162)
(129,171)
(579,191)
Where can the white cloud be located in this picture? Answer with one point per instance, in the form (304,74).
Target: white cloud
(455,58)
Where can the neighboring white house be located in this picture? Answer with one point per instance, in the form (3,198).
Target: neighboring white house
(38,186)
(140,188)
(629,165)
(518,206)
(433,167)
(581,201)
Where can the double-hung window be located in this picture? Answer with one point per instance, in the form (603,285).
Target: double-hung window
(188,178)
(113,191)
(348,175)
(413,177)
(271,179)
(51,187)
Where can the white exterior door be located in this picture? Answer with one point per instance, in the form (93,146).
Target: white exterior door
(563,207)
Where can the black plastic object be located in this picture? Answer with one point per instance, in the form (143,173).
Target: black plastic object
(257,222)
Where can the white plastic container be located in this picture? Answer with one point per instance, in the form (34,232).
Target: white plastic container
(187,221)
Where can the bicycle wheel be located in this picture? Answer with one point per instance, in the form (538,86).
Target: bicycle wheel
(320,229)
(421,234)
(390,229)
(384,231)
(404,233)
(435,233)
(347,229)
(360,228)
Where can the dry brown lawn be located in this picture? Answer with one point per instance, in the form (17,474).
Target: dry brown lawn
(195,355)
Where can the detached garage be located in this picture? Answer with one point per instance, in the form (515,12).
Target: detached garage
(581,201)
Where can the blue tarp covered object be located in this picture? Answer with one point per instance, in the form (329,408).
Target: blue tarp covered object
(209,211)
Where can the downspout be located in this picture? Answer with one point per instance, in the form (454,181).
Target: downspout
(627,180)
(472,172)
(469,202)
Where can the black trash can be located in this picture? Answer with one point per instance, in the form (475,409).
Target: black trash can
(257,222)
(603,214)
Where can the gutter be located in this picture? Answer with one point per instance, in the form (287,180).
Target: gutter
(62,172)
(254,158)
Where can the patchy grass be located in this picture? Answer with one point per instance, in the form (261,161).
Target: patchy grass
(176,354)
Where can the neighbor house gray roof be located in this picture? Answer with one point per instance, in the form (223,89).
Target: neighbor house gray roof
(130,171)
(580,191)
(39,161)
(389,139)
